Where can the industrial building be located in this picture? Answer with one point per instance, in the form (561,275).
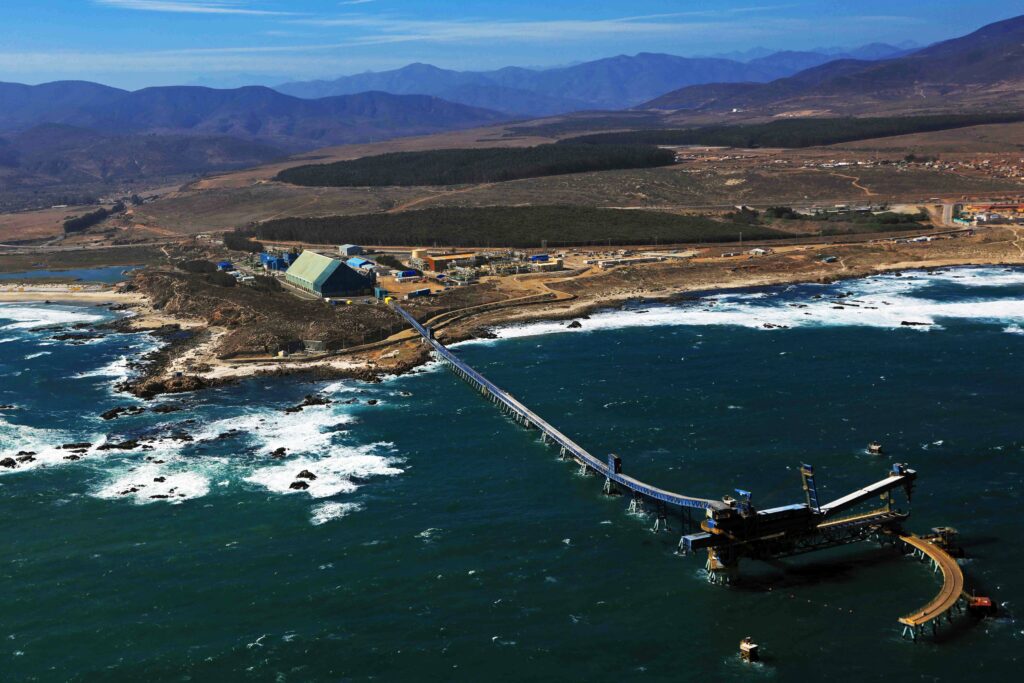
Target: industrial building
(277,263)
(328,277)
(441,263)
(347,250)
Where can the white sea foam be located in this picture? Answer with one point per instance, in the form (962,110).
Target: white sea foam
(43,443)
(325,512)
(883,302)
(38,355)
(979,277)
(8,340)
(308,431)
(341,387)
(29,317)
(1014,329)
(334,471)
(117,369)
(142,485)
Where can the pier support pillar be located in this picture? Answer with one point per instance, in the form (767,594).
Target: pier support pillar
(661,521)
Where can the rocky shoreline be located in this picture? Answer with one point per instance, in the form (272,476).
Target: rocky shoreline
(201,330)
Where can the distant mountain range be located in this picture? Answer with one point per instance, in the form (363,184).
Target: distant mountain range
(869,51)
(613,83)
(983,70)
(251,113)
(77,132)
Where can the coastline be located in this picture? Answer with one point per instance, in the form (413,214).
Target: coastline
(188,360)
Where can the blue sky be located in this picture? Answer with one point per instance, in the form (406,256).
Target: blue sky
(135,43)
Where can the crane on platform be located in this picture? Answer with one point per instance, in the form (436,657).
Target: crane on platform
(733,528)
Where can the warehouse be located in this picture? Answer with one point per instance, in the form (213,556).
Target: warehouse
(328,277)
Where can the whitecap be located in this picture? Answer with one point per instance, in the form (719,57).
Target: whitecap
(40,354)
(325,512)
(880,302)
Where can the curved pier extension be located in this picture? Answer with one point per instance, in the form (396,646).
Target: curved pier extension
(950,597)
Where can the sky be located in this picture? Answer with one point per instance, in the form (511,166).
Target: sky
(225,43)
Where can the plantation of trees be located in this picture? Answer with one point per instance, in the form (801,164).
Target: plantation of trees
(238,242)
(86,221)
(795,133)
(462,166)
(525,227)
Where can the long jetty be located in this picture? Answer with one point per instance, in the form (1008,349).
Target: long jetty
(611,470)
(813,526)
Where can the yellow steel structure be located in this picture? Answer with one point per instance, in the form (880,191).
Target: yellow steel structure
(948,598)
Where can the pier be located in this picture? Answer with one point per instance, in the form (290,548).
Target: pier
(951,596)
(732,528)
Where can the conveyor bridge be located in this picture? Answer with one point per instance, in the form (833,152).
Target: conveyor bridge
(732,528)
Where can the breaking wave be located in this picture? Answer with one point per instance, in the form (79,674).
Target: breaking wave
(884,301)
(342,470)
(28,317)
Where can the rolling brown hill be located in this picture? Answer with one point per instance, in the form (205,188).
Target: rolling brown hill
(56,153)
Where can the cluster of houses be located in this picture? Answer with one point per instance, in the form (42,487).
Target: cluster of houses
(990,214)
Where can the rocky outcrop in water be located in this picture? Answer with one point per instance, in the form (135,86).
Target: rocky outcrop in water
(170,385)
(129,445)
(310,400)
(117,412)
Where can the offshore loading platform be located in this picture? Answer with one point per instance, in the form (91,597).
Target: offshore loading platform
(733,528)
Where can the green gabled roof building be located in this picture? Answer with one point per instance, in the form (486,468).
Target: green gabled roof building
(325,276)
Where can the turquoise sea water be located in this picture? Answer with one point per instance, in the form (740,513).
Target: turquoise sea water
(441,542)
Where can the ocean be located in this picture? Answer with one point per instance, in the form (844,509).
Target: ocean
(438,541)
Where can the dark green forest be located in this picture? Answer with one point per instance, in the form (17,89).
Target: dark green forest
(462,166)
(86,221)
(795,132)
(523,227)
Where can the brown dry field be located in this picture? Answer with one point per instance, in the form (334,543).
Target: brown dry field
(32,225)
(677,188)
(235,199)
(993,139)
